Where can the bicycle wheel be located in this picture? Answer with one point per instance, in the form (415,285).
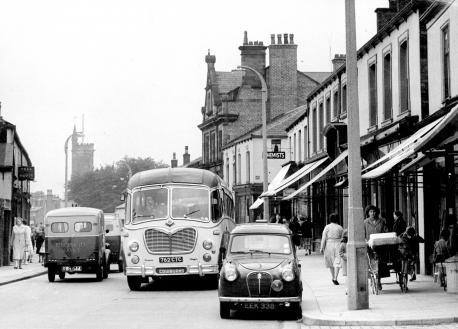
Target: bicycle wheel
(403,282)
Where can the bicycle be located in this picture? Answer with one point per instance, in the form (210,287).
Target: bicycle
(439,272)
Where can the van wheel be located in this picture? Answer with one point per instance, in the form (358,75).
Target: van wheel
(99,272)
(134,282)
(224,310)
(51,274)
(106,270)
(120,267)
(61,275)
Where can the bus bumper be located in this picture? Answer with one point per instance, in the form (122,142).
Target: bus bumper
(144,271)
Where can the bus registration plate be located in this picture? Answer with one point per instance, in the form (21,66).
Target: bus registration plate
(170,270)
(178,259)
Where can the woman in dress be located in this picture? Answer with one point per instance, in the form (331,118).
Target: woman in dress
(330,242)
(18,241)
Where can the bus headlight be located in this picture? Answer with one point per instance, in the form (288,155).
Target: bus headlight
(135,259)
(230,272)
(207,244)
(287,273)
(207,257)
(133,246)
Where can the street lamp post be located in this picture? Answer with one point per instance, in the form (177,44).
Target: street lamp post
(358,297)
(264,135)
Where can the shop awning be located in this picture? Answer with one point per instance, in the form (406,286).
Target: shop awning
(275,182)
(410,146)
(334,163)
(295,177)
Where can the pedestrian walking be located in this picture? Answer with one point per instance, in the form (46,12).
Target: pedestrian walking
(28,243)
(307,235)
(374,224)
(440,254)
(341,259)
(399,225)
(40,238)
(18,242)
(295,228)
(410,241)
(330,242)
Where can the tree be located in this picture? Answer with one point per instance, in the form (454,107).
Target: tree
(103,187)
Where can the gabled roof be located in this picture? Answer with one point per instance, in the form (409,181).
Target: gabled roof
(228,81)
(276,127)
(317,76)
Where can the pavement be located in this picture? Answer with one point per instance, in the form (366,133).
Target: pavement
(325,304)
(9,275)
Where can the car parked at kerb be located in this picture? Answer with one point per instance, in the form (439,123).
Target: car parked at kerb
(261,271)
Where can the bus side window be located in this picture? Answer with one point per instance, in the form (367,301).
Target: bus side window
(216,206)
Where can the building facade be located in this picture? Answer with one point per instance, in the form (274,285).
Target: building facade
(408,125)
(16,173)
(233,99)
(41,203)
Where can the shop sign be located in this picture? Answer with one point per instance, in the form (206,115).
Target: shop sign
(26,173)
(288,191)
(275,155)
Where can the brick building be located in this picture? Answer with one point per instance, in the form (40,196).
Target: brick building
(233,99)
(42,203)
(16,172)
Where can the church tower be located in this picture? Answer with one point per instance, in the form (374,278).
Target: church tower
(82,155)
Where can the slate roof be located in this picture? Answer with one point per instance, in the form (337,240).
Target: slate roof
(228,81)
(276,127)
(318,76)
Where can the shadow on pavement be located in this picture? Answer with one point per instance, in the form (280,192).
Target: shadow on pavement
(258,315)
(182,284)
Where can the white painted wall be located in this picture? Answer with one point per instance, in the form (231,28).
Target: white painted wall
(411,29)
(302,127)
(434,32)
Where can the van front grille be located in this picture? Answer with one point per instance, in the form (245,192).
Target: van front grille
(182,241)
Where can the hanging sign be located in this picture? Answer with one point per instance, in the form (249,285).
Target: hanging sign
(275,155)
(26,173)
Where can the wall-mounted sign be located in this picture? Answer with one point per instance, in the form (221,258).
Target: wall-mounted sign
(275,155)
(26,173)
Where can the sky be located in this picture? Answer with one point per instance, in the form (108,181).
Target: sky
(136,69)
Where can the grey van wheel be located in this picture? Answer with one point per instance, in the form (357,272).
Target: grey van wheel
(51,274)
(134,282)
(99,272)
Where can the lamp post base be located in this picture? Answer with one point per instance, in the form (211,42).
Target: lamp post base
(358,297)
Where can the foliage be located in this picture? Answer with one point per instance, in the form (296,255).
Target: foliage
(103,187)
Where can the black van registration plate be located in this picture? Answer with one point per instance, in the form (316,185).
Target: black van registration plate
(72,268)
(177,259)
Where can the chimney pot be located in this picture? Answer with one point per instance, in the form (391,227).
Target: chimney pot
(256,43)
(291,39)
(272,39)
(279,39)
(285,38)
(245,37)
(186,150)
(186,156)
(250,43)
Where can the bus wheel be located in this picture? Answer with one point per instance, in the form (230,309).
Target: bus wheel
(99,272)
(51,274)
(134,282)
(61,275)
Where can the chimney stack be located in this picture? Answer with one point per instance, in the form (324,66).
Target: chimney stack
(282,79)
(174,162)
(253,54)
(337,61)
(186,156)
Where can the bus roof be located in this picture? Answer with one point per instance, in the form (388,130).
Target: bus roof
(73,211)
(175,175)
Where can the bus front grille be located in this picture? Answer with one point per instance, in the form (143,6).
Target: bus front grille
(181,241)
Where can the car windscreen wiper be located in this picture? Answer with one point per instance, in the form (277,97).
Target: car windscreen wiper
(190,213)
